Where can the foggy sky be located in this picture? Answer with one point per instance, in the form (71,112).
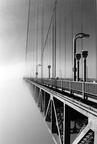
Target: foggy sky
(13,26)
(20,119)
(72,17)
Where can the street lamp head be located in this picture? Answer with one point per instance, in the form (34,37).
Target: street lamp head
(84,54)
(85,35)
(78,56)
(36,73)
(38,65)
(49,66)
(82,35)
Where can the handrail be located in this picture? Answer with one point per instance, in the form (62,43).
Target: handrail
(90,88)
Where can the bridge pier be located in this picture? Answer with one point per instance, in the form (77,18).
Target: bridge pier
(67,121)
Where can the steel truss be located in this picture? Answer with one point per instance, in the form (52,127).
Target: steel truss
(69,121)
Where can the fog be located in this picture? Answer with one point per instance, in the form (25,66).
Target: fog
(20,119)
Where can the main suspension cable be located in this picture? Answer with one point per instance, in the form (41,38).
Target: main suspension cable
(48,30)
(27,33)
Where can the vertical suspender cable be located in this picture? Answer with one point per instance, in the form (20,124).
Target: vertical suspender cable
(42,38)
(54,44)
(81,11)
(59,49)
(72,35)
(27,35)
(34,38)
(95,10)
(37,16)
(47,55)
(33,20)
(65,34)
(51,21)
(44,46)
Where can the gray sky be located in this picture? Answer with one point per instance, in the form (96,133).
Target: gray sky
(13,25)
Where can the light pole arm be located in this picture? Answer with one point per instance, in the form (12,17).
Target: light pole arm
(77,36)
(37,69)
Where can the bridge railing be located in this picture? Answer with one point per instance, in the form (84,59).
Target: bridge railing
(76,86)
(89,89)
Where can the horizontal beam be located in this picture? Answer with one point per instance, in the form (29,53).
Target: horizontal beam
(79,106)
(89,90)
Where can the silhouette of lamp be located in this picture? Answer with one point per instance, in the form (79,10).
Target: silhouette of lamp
(49,66)
(37,70)
(84,54)
(78,56)
(77,36)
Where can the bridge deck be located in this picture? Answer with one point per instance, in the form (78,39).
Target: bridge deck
(60,106)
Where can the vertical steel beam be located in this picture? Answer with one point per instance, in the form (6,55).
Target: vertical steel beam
(44,104)
(41,109)
(94,128)
(64,126)
(95,137)
(38,97)
(38,94)
(51,98)
(67,125)
(35,93)
(67,132)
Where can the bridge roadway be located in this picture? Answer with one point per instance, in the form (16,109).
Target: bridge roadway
(70,113)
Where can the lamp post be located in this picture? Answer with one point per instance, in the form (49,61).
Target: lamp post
(78,56)
(77,36)
(84,54)
(49,66)
(36,74)
(37,70)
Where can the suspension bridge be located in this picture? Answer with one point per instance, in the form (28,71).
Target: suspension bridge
(61,67)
